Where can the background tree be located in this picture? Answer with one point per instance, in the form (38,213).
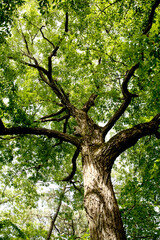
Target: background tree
(63,59)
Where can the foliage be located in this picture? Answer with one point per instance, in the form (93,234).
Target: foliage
(104,40)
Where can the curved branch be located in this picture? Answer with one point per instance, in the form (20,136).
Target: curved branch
(40,29)
(45,37)
(128,76)
(127,100)
(151,17)
(89,103)
(46,75)
(129,137)
(127,95)
(40,131)
(74,166)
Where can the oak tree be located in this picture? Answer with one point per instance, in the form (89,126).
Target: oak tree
(72,73)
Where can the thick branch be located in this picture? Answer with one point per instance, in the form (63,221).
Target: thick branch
(151,17)
(128,138)
(74,166)
(89,103)
(40,131)
(65,124)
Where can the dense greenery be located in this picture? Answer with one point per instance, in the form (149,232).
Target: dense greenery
(95,45)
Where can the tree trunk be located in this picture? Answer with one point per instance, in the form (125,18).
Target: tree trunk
(99,199)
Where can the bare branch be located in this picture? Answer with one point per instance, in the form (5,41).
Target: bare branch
(53,83)
(74,166)
(65,124)
(117,115)
(40,29)
(43,78)
(57,88)
(54,52)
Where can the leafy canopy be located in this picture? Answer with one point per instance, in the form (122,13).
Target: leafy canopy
(104,39)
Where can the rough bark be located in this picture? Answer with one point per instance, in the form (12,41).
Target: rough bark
(98,157)
(99,199)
